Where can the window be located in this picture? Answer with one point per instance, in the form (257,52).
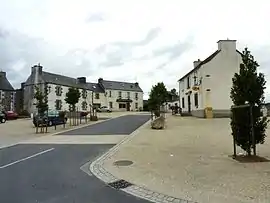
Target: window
(111,105)
(128,95)
(84,94)
(97,96)
(196,101)
(195,80)
(136,105)
(136,96)
(58,90)
(110,93)
(188,82)
(58,104)
(183,102)
(84,105)
(120,94)
(122,106)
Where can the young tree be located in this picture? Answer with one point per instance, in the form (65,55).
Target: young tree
(158,96)
(248,88)
(72,98)
(41,101)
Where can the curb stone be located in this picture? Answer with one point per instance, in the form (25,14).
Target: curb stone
(97,169)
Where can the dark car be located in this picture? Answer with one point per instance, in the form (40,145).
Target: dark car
(51,119)
(3,117)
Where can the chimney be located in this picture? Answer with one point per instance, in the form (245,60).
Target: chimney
(22,85)
(196,63)
(136,84)
(100,80)
(37,69)
(81,80)
(3,74)
(227,45)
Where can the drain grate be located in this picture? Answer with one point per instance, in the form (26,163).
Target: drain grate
(120,184)
(123,163)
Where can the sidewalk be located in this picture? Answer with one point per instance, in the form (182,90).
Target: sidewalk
(189,160)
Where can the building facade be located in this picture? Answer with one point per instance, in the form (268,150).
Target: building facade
(55,87)
(208,84)
(7,93)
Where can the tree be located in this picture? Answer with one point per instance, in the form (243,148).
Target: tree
(172,95)
(158,96)
(41,101)
(72,97)
(248,88)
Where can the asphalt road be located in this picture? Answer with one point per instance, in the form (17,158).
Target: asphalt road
(52,174)
(123,125)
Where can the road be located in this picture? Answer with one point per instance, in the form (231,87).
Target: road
(123,125)
(50,173)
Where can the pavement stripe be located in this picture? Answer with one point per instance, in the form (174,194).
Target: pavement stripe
(26,158)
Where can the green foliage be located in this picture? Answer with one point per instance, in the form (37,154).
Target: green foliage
(158,96)
(41,101)
(248,87)
(72,97)
(172,95)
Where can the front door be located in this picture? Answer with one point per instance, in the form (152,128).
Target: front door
(189,104)
(128,106)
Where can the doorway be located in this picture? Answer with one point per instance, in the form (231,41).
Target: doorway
(128,106)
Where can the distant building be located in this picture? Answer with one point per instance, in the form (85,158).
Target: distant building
(6,93)
(208,84)
(120,96)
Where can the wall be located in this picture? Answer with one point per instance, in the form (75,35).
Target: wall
(7,101)
(115,95)
(217,77)
(52,97)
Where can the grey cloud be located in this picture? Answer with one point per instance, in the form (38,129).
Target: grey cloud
(18,48)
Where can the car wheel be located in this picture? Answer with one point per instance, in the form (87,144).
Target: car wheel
(3,120)
(50,123)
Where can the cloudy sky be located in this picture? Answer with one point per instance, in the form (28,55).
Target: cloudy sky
(131,40)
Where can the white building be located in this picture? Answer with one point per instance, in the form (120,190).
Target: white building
(7,93)
(208,84)
(117,95)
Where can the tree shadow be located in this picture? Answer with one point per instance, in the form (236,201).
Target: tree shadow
(249,159)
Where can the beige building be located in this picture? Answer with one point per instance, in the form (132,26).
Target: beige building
(120,96)
(208,84)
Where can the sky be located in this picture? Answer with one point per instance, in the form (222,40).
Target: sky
(127,40)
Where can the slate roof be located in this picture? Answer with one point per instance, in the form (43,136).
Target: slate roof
(209,58)
(125,86)
(4,83)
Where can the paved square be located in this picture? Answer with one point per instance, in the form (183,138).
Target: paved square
(189,160)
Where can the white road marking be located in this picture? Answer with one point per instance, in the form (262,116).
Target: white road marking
(26,158)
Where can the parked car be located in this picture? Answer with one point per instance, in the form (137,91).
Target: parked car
(11,115)
(2,117)
(53,118)
(104,109)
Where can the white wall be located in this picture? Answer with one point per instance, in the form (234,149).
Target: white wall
(124,94)
(52,97)
(220,70)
